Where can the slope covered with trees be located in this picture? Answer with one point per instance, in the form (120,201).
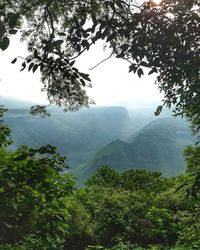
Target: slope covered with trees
(77,135)
(42,209)
(158,146)
(135,209)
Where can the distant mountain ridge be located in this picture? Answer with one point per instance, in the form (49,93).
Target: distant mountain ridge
(158,146)
(10,102)
(96,136)
(77,135)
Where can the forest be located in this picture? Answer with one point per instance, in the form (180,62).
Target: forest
(41,206)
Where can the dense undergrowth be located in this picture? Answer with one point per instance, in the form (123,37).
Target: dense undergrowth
(41,208)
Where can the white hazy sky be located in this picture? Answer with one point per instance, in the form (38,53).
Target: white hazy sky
(112,84)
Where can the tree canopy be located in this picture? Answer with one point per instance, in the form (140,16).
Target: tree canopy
(40,207)
(163,38)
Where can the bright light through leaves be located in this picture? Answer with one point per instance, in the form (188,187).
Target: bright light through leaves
(157,1)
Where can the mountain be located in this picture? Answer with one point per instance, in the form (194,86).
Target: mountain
(113,134)
(77,135)
(158,146)
(10,102)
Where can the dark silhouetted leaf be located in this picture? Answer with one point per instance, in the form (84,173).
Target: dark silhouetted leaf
(58,43)
(140,72)
(61,34)
(72,63)
(151,72)
(35,53)
(83,82)
(5,43)
(143,64)
(35,68)
(12,32)
(23,66)
(133,67)
(158,110)
(28,60)
(78,47)
(13,20)
(2,30)
(41,66)
(14,60)
(85,76)
(30,66)
(124,47)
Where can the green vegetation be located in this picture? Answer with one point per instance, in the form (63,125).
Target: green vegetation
(80,135)
(40,208)
(77,135)
(135,209)
(164,38)
(85,138)
(158,146)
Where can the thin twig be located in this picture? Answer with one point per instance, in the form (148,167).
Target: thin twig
(102,61)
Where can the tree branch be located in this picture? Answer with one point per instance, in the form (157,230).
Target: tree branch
(102,61)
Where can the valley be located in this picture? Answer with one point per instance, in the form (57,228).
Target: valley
(98,136)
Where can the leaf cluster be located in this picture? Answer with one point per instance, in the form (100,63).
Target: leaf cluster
(163,38)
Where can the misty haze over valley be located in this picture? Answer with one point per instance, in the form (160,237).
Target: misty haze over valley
(97,136)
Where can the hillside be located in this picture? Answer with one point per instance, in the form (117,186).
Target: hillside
(10,102)
(77,135)
(113,134)
(158,146)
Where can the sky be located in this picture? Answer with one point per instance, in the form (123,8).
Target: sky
(112,84)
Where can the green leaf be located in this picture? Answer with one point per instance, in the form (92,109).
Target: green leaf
(85,76)
(144,64)
(14,60)
(12,32)
(2,6)
(58,43)
(41,66)
(44,41)
(158,110)
(28,60)
(140,72)
(61,34)
(83,82)
(35,68)
(94,20)
(112,5)
(154,70)
(72,63)
(85,44)
(35,53)
(13,20)
(133,67)
(5,43)
(119,4)
(78,47)
(196,16)
(124,47)
(151,72)
(2,30)
(23,66)
(30,66)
